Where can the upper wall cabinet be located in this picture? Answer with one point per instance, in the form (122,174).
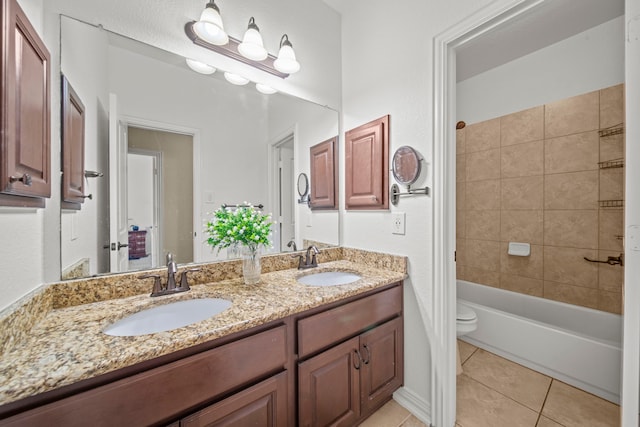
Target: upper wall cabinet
(324,176)
(25,161)
(367,165)
(72,148)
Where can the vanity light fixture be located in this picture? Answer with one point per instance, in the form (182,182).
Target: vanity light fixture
(267,90)
(252,46)
(286,61)
(235,79)
(208,33)
(209,27)
(200,67)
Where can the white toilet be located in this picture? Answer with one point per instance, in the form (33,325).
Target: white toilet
(466,319)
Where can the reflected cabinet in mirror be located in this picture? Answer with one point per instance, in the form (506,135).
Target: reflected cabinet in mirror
(173,146)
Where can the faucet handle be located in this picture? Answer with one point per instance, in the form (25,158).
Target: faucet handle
(184,283)
(157,284)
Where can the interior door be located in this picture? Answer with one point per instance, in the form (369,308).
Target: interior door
(287,191)
(118,226)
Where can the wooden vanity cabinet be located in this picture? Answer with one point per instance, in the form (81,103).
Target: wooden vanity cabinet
(25,148)
(342,385)
(324,175)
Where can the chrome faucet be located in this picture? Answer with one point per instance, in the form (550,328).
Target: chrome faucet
(292,242)
(170,287)
(309,260)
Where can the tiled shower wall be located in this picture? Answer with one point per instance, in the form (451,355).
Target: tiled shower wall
(534,176)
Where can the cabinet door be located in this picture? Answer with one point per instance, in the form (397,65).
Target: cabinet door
(329,387)
(367,165)
(324,179)
(382,371)
(25,169)
(72,147)
(263,405)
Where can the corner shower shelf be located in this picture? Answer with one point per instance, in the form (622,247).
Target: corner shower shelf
(611,203)
(611,164)
(613,130)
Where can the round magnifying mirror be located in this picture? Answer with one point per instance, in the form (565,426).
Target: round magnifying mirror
(406,165)
(303,185)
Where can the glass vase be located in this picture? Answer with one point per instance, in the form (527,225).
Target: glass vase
(251,267)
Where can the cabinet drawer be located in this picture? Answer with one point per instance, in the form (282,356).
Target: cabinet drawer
(324,329)
(159,394)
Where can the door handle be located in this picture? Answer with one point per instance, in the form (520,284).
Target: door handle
(122,245)
(113,246)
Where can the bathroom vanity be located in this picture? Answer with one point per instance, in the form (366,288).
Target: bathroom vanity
(284,354)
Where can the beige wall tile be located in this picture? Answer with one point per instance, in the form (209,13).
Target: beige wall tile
(461,168)
(521,226)
(461,195)
(612,184)
(483,165)
(572,115)
(572,153)
(611,106)
(460,251)
(483,225)
(482,254)
(521,384)
(523,126)
(460,274)
(567,265)
(610,301)
(611,227)
(576,190)
(461,228)
(522,160)
(610,277)
(483,136)
(481,276)
(483,195)
(612,147)
(577,295)
(572,407)
(527,266)
(523,285)
(571,228)
(461,140)
(522,193)
(480,406)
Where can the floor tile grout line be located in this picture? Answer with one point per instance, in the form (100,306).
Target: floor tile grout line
(546,396)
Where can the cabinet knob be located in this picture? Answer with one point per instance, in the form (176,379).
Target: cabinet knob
(374,198)
(88,196)
(366,361)
(25,179)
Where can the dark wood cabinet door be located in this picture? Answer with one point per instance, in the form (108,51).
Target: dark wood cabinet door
(72,147)
(324,178)
(263,405)
(367,165)
(382,370)
(26,161)
(329,387)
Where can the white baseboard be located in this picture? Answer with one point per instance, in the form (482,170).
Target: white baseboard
(415,404)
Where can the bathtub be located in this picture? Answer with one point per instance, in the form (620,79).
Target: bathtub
(576,345)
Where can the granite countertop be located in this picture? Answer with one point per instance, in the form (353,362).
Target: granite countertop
(67,345)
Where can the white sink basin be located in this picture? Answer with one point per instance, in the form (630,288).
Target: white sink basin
(329,278)
(167,317)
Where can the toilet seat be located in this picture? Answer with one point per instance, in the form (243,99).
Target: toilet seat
(466,319)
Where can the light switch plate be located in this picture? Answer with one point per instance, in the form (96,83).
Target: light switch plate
(398,223)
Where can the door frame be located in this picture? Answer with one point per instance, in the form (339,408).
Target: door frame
(273,189)
(138,122)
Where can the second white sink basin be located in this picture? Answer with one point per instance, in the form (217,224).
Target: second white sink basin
(167,317)
(329,278)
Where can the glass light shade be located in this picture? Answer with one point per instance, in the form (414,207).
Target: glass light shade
(286,61)
(200,67)
(235,79)
(252,46)
(267,90)
(210,28)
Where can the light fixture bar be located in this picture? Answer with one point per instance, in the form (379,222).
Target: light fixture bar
(230,50)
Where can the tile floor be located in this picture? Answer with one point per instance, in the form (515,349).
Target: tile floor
(495,392)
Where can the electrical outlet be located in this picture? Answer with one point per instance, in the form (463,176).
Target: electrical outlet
(397,223)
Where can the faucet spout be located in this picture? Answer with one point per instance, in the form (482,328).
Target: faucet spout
(291,243)
(172,269)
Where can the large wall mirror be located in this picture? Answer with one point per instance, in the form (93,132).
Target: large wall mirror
(181,144)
